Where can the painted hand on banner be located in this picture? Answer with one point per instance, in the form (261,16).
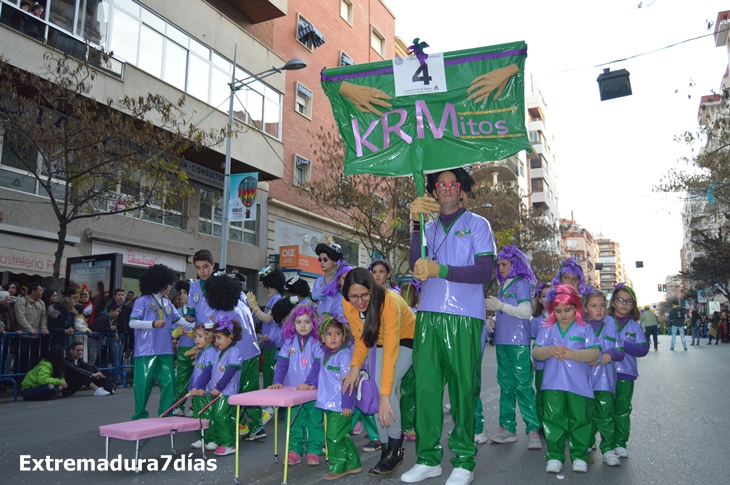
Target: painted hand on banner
(364,97)
(482,86)
(424,205)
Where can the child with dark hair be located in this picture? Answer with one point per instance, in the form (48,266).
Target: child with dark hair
(336,356)
(183,332)
(297,365)
(45,380)
(204,265)
(566,344)
(223,373)
(539,315)
(382,273)
(223,295)
(273,281)
(152,318)
(299,287)
(512,337)
(205,357)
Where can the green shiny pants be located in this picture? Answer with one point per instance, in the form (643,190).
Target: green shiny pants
(145,369)
(622,406)
(514,376)
(199,402)
(222,428)
(408,400)
(368,422)
(341,450)
(446,349)
(566,417)
(603,420)
(479,418)
(307,430)
(268,365)
(184,371)
(250,382)
(538,395)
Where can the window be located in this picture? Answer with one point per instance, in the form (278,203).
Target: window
(209,220)
(302,169)
(304,101)
(379,208)
(14,172)
(346,10)
(308,35)
(537,185)
(346,60)
(377,41)
(571,243)
(171,217)
(535,163)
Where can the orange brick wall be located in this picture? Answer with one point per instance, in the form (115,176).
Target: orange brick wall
(339,35)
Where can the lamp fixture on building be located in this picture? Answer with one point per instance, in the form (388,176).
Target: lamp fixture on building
(236,85)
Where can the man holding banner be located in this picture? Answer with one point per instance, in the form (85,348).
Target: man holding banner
(451,315)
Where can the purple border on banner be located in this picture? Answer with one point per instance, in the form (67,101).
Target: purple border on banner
(447,62)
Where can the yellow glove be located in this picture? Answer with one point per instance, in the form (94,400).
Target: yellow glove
(177,332)
(251,298)
(424,205)
(425,269)
(190,334)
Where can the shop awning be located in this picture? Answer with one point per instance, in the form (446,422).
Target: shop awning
(31,256)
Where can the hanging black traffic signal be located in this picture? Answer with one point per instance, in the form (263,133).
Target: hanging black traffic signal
(659,287)
(664,288)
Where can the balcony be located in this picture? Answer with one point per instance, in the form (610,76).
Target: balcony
(259,10)
(507,170)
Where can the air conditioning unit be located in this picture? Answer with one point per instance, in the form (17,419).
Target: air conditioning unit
(510,185)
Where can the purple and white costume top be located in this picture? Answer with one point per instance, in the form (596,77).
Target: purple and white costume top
(272,329)
(205,358)
(603,377)
(635,345)
(535,326)
(509,330)
(196,299)
(225,359)
(148,340)
(295,360)
(567,375)
(333,367)
(248,345)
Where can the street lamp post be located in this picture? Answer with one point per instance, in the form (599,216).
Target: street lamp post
(236,85)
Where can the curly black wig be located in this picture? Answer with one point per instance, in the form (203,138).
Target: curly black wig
(156,279)
(222,292)
(282,309)
(462,176)
(275,280)
(331,253)
(299,288)
(183,285)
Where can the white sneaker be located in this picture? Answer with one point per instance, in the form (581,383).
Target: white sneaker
(447,408)
(610,458)
(197,445)
(178,412)
(211,446)
(534,442)
(421,472)
(101,392)
(189,413)
(504,436)
(553,466)
(579,466)
(481,437)
(621,452)
(460,477)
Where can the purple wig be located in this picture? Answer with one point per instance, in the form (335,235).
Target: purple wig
(571,266)
(520,265)
(289,329)
(333,287)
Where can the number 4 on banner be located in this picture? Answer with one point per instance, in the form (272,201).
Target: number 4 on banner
(413,78)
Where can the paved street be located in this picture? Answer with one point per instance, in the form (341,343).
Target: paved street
(680,427)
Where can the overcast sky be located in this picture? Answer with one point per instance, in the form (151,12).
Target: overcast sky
(609,154)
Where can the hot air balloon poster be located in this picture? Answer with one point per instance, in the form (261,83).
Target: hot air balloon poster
(242,199)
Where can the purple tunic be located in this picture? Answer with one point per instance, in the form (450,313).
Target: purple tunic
(224,359)
(196,299)
(468,237)
(150,341)
(184,340)
(248,346)
(333,367)
(631,334)
(603,377)
(509,330)
(535,326)
(567,375)
(326,304)
(205,358)
(300,353)
(272,329)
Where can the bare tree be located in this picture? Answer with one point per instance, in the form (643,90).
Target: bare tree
(94,158)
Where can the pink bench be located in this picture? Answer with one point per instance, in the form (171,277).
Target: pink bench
(144,429)
(287,397)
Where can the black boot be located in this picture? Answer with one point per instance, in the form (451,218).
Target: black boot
(392,458)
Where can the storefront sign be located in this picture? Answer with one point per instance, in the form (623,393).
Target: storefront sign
(141,257)
(203,174)
(27,262)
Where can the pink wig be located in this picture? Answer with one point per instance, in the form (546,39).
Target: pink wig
(568,296)
(289,330)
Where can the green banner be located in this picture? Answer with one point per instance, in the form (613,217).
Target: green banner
(432,125)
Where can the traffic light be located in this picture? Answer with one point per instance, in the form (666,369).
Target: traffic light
(659,287)
(664,288)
